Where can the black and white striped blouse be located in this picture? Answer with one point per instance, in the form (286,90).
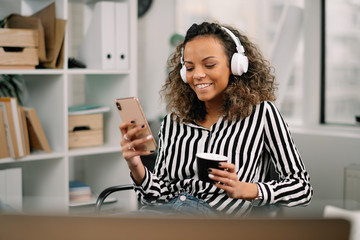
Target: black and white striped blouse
(250,144)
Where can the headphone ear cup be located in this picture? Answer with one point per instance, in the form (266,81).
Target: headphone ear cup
(239,64)
(183,73)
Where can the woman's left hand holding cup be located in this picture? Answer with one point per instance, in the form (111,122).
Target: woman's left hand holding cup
(227,180)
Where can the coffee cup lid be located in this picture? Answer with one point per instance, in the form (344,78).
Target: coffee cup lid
(212,156)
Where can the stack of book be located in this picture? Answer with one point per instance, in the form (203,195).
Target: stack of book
(79,191)
(81,194)
(20,130)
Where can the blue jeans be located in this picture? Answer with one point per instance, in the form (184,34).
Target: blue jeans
(184,204)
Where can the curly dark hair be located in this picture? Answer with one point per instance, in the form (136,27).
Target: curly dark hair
(242,93)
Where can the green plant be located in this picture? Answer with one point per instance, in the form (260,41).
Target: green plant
(11,86)
(2,23)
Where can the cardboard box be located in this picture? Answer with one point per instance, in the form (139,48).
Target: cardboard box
(19,48)
(85,130)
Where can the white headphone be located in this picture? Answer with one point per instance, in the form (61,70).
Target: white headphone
(239,62)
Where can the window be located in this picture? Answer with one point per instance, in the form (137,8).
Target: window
(266,22)
(340,61)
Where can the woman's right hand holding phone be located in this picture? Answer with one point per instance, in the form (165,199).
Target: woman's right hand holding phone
(132,148)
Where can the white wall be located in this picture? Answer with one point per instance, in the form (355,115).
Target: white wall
(155,29)
(326,154)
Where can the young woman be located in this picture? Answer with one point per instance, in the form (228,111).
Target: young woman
(220,93)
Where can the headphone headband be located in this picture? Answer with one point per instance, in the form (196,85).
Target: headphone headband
(239,46)
(239,62)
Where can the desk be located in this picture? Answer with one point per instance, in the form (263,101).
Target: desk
(14,227)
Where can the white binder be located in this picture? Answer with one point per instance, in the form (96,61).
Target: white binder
(105,44)
(11,193)
(98,48)
(122,35)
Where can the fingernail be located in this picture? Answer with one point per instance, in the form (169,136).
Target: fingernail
(209,170)
(210,175)
(149,137)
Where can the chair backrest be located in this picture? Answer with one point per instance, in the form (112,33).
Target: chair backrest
(149,161)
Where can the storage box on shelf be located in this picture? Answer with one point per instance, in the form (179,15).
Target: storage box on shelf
(18,49)
(85,130)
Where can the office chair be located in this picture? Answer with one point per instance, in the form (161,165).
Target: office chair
(149,162)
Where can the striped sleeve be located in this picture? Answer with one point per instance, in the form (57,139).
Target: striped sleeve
(294,187)
(155,187)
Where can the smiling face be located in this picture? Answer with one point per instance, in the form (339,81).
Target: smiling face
(207,68)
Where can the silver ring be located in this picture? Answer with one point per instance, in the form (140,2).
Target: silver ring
(126,137)
(130,147)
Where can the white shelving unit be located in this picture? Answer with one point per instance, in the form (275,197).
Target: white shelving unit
(50,92)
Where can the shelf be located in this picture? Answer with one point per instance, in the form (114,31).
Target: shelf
(46,176)
(32,71)
(94,150)
(33,157)
(97,72)
(90,202)
(63,71)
